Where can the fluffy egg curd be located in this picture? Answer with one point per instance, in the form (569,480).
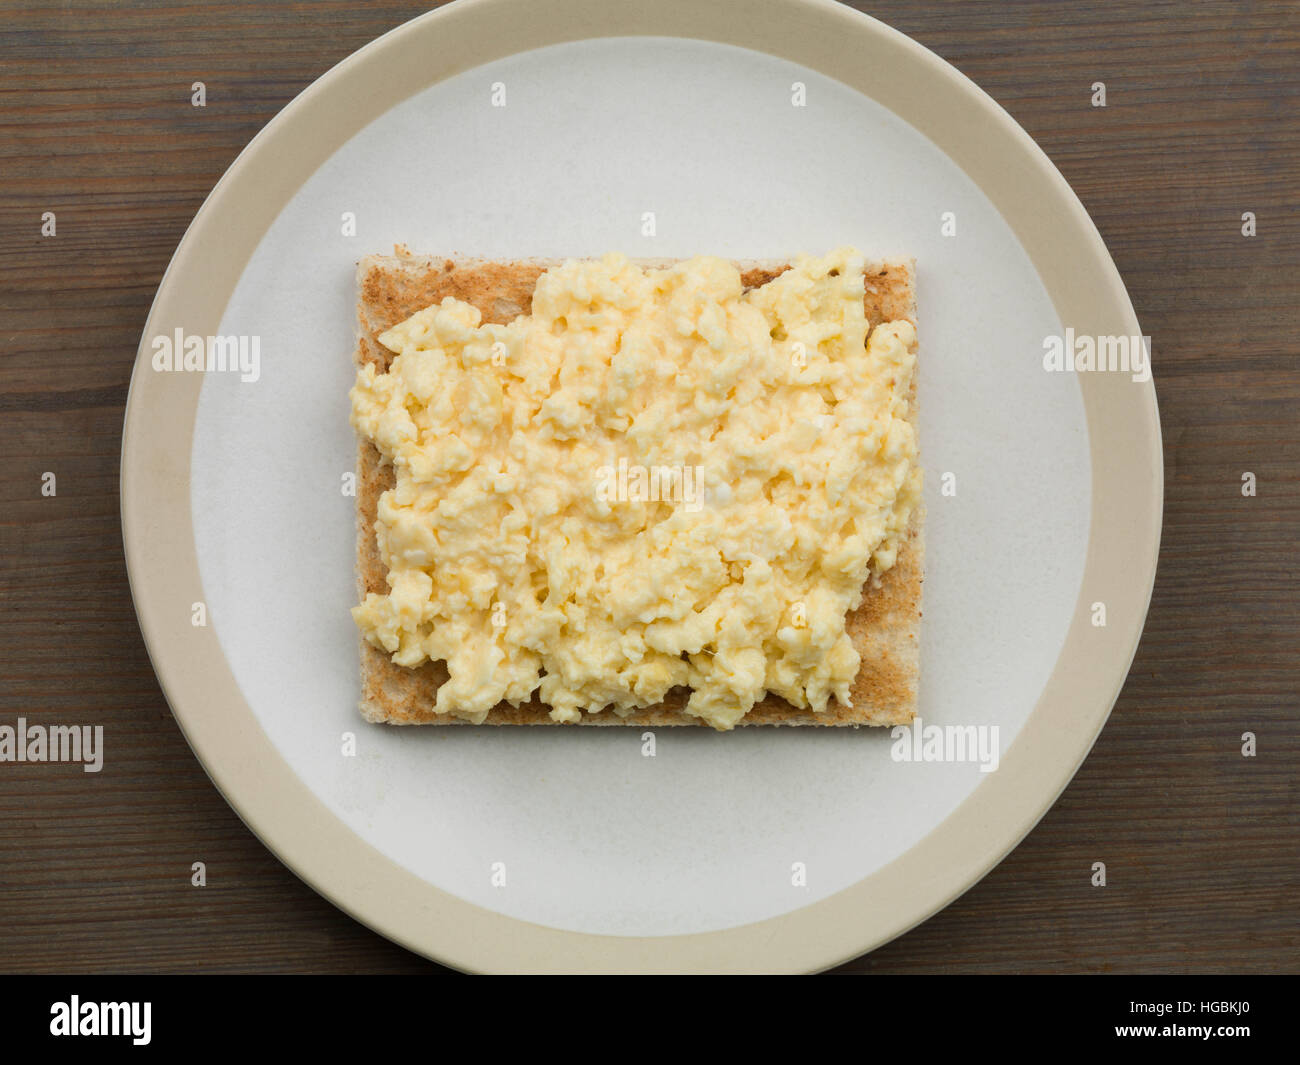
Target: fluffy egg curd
(523,554)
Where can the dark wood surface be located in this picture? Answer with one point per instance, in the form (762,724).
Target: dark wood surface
(1201,844)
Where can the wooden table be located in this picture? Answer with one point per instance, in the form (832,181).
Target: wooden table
(1202,123)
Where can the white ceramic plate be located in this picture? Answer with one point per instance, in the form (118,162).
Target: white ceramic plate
(761,849)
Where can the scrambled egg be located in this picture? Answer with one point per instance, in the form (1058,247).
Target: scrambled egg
(544,535)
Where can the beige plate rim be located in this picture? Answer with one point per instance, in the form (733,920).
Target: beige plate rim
(1122,418)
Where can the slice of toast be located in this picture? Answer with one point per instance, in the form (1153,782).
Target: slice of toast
(885,629)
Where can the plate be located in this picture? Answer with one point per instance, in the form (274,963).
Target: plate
(503,129)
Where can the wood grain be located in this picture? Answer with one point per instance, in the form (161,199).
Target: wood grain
(1202,846)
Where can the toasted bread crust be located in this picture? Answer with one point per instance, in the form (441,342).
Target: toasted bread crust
(885,629)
